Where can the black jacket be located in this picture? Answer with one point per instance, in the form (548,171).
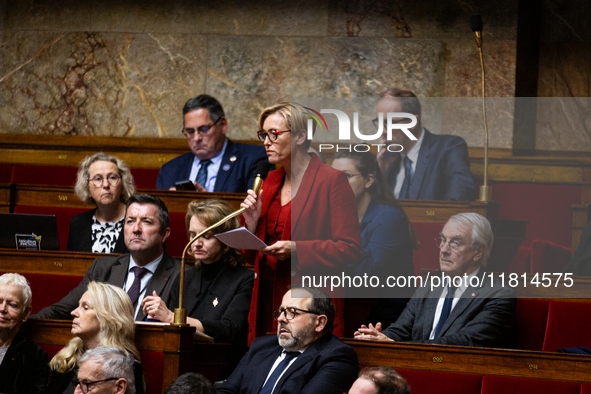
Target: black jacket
(80,235)
(25,368)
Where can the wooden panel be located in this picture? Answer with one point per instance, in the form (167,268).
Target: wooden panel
(181,352)
(581,216)
(519,363)
(46,262)
(425,211)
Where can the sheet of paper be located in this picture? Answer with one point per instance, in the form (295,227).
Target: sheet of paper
(241,238)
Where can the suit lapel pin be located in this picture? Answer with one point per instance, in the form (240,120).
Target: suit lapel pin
(233,159)
(226,167)
(215,302)
(473,294)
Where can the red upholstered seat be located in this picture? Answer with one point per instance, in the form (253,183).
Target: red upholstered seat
(63,217)
(178,235)
(548,257)
(508,385)
(51,350)
(531,316)
(546,207)
(569,325)
(522,261)
(5,173)
(429,382)
(586,388)
(145,178)
(427,255)
(43,175)
(46,292)
(153,365)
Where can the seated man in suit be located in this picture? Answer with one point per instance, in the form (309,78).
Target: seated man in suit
(581,261)
(379,380)
(467,309)
(432,167)
(144,270)
(305,357)
(215,164)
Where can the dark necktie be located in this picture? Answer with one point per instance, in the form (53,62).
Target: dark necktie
(407,178)
(202,174)
(270,384)
(449,299)
(134,290)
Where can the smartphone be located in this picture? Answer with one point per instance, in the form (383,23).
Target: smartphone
(185,185)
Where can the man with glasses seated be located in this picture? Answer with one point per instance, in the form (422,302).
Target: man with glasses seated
(305,357)
(215,163)
(468,308)
(105,370)
(429,167)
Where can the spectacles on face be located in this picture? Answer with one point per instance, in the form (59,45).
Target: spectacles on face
(189,132)
(376,122)
(272,134)
(290,313)
(87,386)
(113,180)
(453,243)
(349,175)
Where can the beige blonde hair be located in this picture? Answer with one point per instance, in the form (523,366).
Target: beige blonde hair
(114,313)
(294,115)
(83,177)
(210,212)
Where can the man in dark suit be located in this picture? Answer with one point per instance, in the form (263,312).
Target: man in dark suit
(303,358)
(215,164)
(147,268)
(430,167)
(467,309)
(581,261)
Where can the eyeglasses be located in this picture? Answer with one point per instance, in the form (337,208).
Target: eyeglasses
(272,134)
(87,386)
(290,313)
(349,175)
(189,132)
(376,122)
(454,244)
(111,179)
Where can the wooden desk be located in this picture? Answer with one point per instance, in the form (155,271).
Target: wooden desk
(485,361)
(181,353)
(46,262)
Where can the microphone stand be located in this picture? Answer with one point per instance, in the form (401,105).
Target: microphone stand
(485,190)
(180,314)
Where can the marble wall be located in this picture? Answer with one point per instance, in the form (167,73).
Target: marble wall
(126,67)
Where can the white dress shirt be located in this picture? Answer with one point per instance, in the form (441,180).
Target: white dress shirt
(413,155)
(151,267)
(212,170)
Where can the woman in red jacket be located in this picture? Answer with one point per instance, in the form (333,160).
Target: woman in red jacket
(306,212)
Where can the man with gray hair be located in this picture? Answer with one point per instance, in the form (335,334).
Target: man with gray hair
(467,306)
(105,370)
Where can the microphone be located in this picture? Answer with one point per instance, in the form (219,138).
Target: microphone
(476,24)
(180,314)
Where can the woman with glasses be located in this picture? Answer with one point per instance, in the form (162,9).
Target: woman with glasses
(387,236)
(106,182)
(104,317)
(305,212)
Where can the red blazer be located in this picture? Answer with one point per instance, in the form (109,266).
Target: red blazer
(323,224)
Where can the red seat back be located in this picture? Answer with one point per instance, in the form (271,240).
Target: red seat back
(63,217)
(509,385)
(548,257)
(531,316)
(145,178)
(23,174)
(178,234)
(429,382)
(568,325)
(586,388)
(153,365)
(522,261)
(427,255)
(5,172)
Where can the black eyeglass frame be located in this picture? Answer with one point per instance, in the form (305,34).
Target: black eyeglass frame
(201,129)
(262,135)
(76,382)
(292,310)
